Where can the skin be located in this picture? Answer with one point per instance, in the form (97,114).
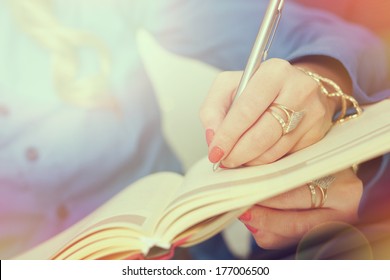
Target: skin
(284,219)
(245,134)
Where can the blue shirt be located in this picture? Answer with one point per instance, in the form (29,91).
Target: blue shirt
(59,160)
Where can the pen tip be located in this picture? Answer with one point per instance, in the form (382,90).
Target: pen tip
(216,166)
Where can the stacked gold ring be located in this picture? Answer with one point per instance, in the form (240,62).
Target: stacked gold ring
(293,117)
(322,185)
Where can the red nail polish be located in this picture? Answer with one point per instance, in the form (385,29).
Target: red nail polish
(246,217)
(251,229)
(209,136)
(216,154)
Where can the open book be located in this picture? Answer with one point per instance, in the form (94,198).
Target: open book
(164,210)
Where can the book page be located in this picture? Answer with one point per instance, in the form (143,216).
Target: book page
(135,208)
(110,241)
(206,193)
(340,148)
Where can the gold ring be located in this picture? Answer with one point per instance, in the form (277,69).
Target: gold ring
(293,117)
(322,185)
(313,195)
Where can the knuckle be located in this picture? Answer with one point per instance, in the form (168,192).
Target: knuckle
(247,111)
(318,111)
(281,64)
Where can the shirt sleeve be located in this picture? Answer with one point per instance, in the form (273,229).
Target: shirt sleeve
(221,33)
(306,31)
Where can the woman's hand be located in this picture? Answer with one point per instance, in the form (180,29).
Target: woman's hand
(284,219)
(246,133)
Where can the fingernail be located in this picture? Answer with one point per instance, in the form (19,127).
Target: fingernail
(216,154)
(246,217)
(251,229)
(209,136)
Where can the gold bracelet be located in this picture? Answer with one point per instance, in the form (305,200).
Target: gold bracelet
(337,93)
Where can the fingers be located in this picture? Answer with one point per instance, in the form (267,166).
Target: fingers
(304,135)
(345,185)
(270,240)
(281,220)
(246,133)
(264,143)
(299,198)
(254,142)
(345,192)
(260,92)
(274,228)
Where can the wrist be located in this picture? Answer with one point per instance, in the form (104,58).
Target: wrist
(337,92)
(331,69)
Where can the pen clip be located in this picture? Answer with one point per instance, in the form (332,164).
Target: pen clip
(273,32)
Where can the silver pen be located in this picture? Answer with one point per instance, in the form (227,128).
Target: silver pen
(261,46)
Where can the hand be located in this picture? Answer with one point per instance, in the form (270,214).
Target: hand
(247,133)
(284,219)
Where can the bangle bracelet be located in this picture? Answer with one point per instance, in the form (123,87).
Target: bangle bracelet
(345,98)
